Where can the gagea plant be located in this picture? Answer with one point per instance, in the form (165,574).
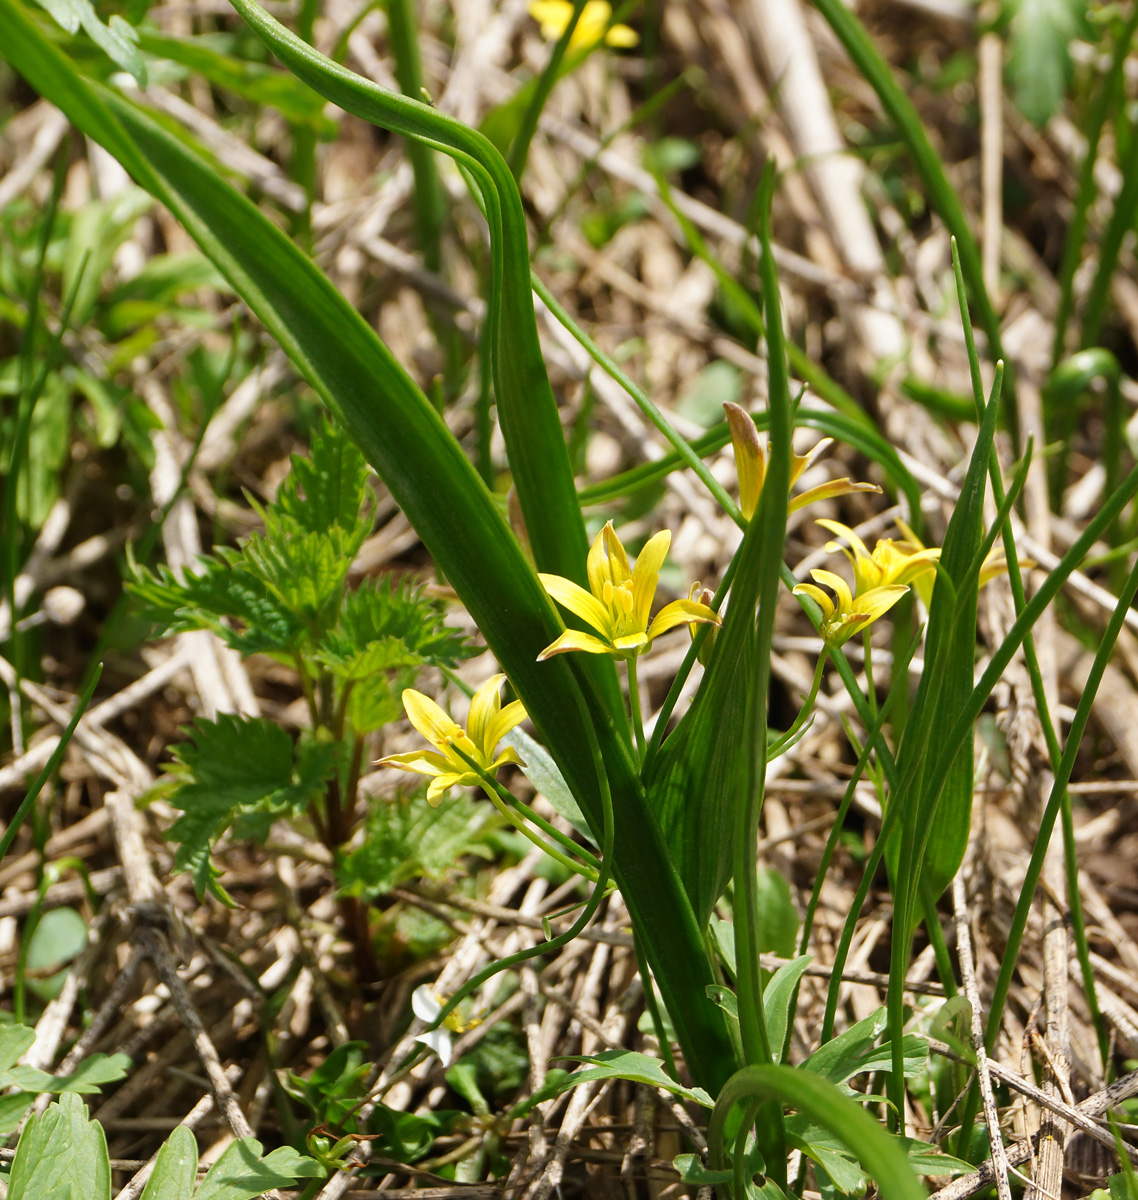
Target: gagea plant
(673,817)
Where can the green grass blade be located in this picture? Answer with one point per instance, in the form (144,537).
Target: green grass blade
(880,1155)
(526,406)
(942,195)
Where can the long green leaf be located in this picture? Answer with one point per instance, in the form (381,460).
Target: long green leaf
(432,480)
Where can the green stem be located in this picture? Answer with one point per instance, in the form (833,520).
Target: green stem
(634,705)
(523,828)
(787,739)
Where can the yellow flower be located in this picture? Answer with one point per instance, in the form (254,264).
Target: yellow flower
(554,17)
(995,564)
(489,722)
(890,562)
(842,620)
(702,595)
(619,600)
(752,457)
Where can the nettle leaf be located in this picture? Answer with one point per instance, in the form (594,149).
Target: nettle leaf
(327,489)
(234,604)
(374,702)
(305,573)
(1039,59)
(407,839)
(230,765)
(61,1156)
(388,616)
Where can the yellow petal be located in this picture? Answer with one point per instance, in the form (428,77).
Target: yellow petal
(799,462)
(827,491)
(873,604)
(646,574)
(509,755)
(439,787)
(573,639)
(750,457)
(844,531)
(629,642)
(838,586)
(680,612)
(607,563)
(430,720)
(513,714)
(574,597)
(622,36)
(485,705)
(818,596)
(551,15)
(422,762)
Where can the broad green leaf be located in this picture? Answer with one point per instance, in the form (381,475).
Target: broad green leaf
(693,1171)
(929,1160)
(61,1156)
(777,997)
(837,1060)
(118,40)
(12,1109)
(242,1174)
(542,772)
(60,935)
(435,485)
(829,1152)
(1039,52)
(175,1169)
(639,1068)
(15,1042)
(778,918)
(92,1073)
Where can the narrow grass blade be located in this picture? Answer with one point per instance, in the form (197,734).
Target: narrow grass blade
(942,195)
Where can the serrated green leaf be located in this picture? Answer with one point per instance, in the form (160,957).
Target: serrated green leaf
(405,838)
(228,765)
(234,604)
(304,573)
(632,1065)
(61,1156)
(242,1174)
(175,1169)
(327,489)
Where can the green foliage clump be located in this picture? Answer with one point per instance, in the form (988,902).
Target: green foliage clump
(285,593)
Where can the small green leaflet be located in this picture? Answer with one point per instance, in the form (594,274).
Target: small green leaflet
(1039,60)
(639,1068)
(118,40)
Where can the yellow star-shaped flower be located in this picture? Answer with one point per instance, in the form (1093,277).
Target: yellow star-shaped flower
(890,561)
(553,16)
(842,620)
(489,722)
(619,600)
